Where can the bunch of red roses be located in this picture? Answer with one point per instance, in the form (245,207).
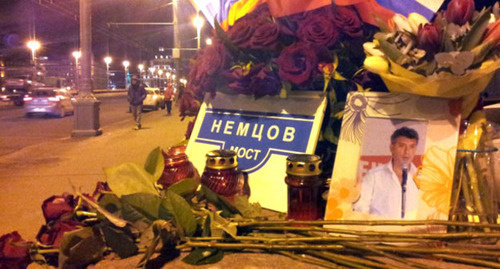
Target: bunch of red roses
(260,55)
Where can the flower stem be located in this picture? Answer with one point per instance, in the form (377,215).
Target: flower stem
(366,223)
(473,261)
(336,257)
(375,250)
(461,235)
(329,238)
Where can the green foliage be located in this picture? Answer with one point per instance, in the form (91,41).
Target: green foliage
(141,206)
(121,241)
(227,210)
(155,163)
(80,248)
(181,211)
(129,178)
(185,187)
(247,209)
(475,35)
(202,256)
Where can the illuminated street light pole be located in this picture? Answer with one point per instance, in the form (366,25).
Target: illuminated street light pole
(141,69)
(108,61)
(34,45)
(126,64)
(77,54)
(152,71)
(86,120)
(208,41)
(198,23)
(160,72)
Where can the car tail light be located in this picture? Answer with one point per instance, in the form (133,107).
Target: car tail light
(27,98)
(54,99)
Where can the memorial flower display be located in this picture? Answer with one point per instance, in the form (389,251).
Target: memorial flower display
(453,56)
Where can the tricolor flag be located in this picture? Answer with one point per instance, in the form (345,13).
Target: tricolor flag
(226,12)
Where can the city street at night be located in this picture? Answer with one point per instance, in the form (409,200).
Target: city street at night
(39,158)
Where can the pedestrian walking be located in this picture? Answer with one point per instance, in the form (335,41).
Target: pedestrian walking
(136,95)
(169,97)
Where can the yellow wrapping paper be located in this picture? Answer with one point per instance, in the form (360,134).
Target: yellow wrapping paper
(446,85)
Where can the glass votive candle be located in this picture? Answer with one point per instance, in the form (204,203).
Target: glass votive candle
(221,174)
(305,187)
(177,167)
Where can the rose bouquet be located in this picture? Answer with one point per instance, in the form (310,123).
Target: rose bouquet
(454,56)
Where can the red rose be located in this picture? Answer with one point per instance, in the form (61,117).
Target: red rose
(214,58)
(53,233)
(348,21)
(460,11)
(242,31)
(297,63)
(100,188)
(318,30)
(14,251)
(265,82)
(58,206)
(429,38)
(266,37)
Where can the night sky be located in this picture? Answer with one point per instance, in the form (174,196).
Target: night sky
(55,24)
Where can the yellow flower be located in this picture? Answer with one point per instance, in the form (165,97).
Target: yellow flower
(435,178)
(415,21)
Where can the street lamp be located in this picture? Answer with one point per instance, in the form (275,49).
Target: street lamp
(152,71)
(33,45)
(160,72)
(126,64)
(107,60)
(208,41)
(198,23)
(141,69)
(77,54)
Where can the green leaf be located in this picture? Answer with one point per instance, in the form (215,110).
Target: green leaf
(390,49)
(185,187)
(141,205)
(181,210)
(247,209)
(225,39)
(219,226)
(129,178)
(218,201)
(202,256)
(110,203)
(329,136)
(80,248)
(112,218)
(120,241)
(475,35)
(155,163)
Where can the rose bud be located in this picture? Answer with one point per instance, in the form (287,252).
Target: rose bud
(416,20)
(14,251)
(58,206)
(459,11)
(429,38)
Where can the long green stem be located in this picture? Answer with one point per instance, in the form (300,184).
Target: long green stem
(462,235)
(334,257)
(366,223)
(468,260)
(383,253)
(258,246)
(474,186)
(322,239)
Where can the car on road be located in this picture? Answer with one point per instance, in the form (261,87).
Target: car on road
(48,101)
(154,99)
(15,90)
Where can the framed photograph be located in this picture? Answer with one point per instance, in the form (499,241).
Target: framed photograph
(395,158)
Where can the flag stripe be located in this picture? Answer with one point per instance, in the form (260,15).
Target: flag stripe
(281,8)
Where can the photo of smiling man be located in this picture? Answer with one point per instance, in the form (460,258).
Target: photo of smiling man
(389,190)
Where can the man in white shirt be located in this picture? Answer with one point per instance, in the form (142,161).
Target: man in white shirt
(384,188)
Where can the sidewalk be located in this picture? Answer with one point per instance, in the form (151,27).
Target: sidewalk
(30,175)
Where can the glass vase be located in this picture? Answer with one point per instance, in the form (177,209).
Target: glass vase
(473,193)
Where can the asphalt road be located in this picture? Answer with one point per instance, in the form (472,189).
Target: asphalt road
(18,131)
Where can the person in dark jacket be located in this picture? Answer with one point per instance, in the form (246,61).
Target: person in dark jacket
(136,95)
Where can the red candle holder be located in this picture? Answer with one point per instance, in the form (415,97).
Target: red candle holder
(177,167)
(305,187)
(221,173)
